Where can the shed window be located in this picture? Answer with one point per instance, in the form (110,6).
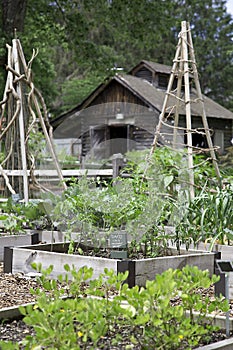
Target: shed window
(163,81)
(144,74)
(198,139)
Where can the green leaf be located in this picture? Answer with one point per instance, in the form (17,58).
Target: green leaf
(67,267)
(168,180)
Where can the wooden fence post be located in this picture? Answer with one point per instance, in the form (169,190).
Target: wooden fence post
(117,163)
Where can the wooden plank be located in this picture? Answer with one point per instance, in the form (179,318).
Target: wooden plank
(146,269)
(15,58)
(23,257)
(65,172)
(13,240)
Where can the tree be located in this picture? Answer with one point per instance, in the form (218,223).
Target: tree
(80,41)
(122,32)
(212,32)
(13,16)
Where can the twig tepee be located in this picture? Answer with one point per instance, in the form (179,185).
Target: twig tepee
(22,109)
(184,67)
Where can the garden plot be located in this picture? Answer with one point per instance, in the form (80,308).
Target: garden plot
(19,259)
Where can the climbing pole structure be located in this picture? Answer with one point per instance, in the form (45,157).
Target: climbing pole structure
(23,113)
(178,97)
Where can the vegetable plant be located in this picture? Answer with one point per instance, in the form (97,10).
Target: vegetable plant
(208,217)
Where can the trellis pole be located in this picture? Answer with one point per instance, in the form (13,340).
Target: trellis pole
(185,58)
(21,124)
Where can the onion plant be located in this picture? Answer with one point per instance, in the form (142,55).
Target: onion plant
(209,217)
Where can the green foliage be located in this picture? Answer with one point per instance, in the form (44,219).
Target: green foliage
(208,217)
(88,206)
(226,164)
(153,243)
(80,42)
(90,316)
(16,217)
(75,90)
(11,224)
(142,206)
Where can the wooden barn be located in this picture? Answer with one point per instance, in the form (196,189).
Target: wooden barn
(121,115)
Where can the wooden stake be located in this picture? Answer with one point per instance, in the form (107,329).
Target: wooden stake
(184,48)
(21,126)
(178,94)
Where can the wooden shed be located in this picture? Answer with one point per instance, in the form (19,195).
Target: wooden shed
(121,115)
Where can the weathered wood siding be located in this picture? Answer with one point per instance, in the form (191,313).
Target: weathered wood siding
(101,115)
(220,126)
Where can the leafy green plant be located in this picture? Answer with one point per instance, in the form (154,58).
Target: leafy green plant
(16,217)
(153,243)
(165,325)
(11,223)
(92,316)
(142,205)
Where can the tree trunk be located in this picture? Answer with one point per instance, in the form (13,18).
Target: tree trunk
(13,12)
(13,16)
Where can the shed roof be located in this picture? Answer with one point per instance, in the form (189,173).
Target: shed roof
(156,67)
(151,95)
(155,97)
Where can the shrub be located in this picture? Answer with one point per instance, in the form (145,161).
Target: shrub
(91,317)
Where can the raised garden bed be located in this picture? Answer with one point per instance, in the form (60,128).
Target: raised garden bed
(19,259)
(14,240)
(31,237)
(225,253)
(16,329)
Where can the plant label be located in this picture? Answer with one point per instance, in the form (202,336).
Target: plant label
(118,240)
(118,254)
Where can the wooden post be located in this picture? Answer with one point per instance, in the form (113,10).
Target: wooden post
(187,107)
(21,126)
(117,162)
(178,94)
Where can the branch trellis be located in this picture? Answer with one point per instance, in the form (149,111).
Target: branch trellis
(184,67)
(23,111)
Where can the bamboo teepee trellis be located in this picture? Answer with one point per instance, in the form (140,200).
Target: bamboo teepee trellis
(21,109)
(184,65)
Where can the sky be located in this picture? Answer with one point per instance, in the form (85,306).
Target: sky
(230,6)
